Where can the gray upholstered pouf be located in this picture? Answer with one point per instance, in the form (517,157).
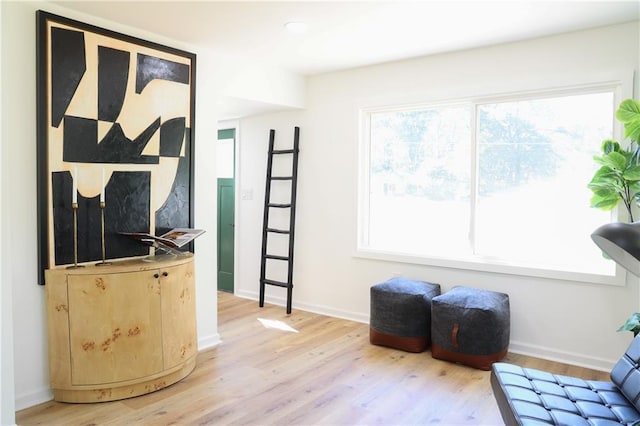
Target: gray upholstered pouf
(470,326)
(401,314)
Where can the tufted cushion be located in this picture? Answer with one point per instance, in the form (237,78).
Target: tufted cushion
(527,396)
(625,373)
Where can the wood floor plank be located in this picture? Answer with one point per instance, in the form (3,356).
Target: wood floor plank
(326,373)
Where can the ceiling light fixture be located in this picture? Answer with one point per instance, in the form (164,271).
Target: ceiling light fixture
(296,27)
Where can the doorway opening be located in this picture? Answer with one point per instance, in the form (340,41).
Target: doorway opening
(225,158)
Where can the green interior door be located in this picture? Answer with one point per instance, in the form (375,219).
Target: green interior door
(226,204)
(226,208)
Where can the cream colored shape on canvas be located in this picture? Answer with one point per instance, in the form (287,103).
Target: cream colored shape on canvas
(153,146)
(54,147)
(103,129)
(85,99)
(159,99)
(90,180)
(163,182)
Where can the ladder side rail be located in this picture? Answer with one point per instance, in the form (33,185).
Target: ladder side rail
(265,217)
(292,217)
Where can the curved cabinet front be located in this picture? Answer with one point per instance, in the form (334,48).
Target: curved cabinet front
(121,330)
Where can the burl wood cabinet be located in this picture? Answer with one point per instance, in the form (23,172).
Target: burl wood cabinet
(120,330)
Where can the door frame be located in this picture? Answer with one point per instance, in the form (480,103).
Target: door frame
(230,126)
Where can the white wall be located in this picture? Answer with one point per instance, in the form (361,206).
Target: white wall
(561,320)
(245,79)
(7,403)
(19,249)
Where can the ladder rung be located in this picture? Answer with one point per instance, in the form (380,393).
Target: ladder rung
(281,177)
(283,151)
(280,206)
(273,256)
(278,231)
(277,283)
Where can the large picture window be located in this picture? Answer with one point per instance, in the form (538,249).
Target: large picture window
(491,182)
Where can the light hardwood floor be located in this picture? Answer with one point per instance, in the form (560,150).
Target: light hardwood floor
(325,374)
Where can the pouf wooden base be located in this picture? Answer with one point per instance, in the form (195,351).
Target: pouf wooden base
(470,326)
(408,344)
(401,314)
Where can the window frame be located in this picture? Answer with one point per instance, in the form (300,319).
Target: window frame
(620,89)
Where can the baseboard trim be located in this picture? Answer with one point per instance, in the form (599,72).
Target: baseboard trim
(316,309)
(209,342)
(33,398)
(573,358)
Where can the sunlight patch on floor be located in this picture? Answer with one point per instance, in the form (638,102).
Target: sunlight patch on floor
(278,325)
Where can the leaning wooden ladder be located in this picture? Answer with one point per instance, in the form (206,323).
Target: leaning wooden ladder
(290,206)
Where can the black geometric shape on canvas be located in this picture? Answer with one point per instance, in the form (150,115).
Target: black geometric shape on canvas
(62,184)
(150,68)
(174,212)
(80,138)
(172,134)
(88,222)
(113,74)
(67,68)
(81,143)
(127,209)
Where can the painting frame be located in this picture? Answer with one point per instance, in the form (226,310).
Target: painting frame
(117,105)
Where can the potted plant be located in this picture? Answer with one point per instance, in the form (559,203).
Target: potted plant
(632,324)
(618,178)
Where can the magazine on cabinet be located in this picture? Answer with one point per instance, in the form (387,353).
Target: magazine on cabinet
(175,238)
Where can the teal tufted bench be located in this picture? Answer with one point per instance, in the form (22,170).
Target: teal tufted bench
(526,396)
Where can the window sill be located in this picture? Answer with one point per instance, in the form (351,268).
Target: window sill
(479,264)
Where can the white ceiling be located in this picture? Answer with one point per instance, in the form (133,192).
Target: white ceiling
(346,34)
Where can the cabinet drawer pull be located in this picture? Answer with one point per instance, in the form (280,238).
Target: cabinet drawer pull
(156,275)
(165,274)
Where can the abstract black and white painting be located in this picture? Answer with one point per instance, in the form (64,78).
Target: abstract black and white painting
(115,125)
